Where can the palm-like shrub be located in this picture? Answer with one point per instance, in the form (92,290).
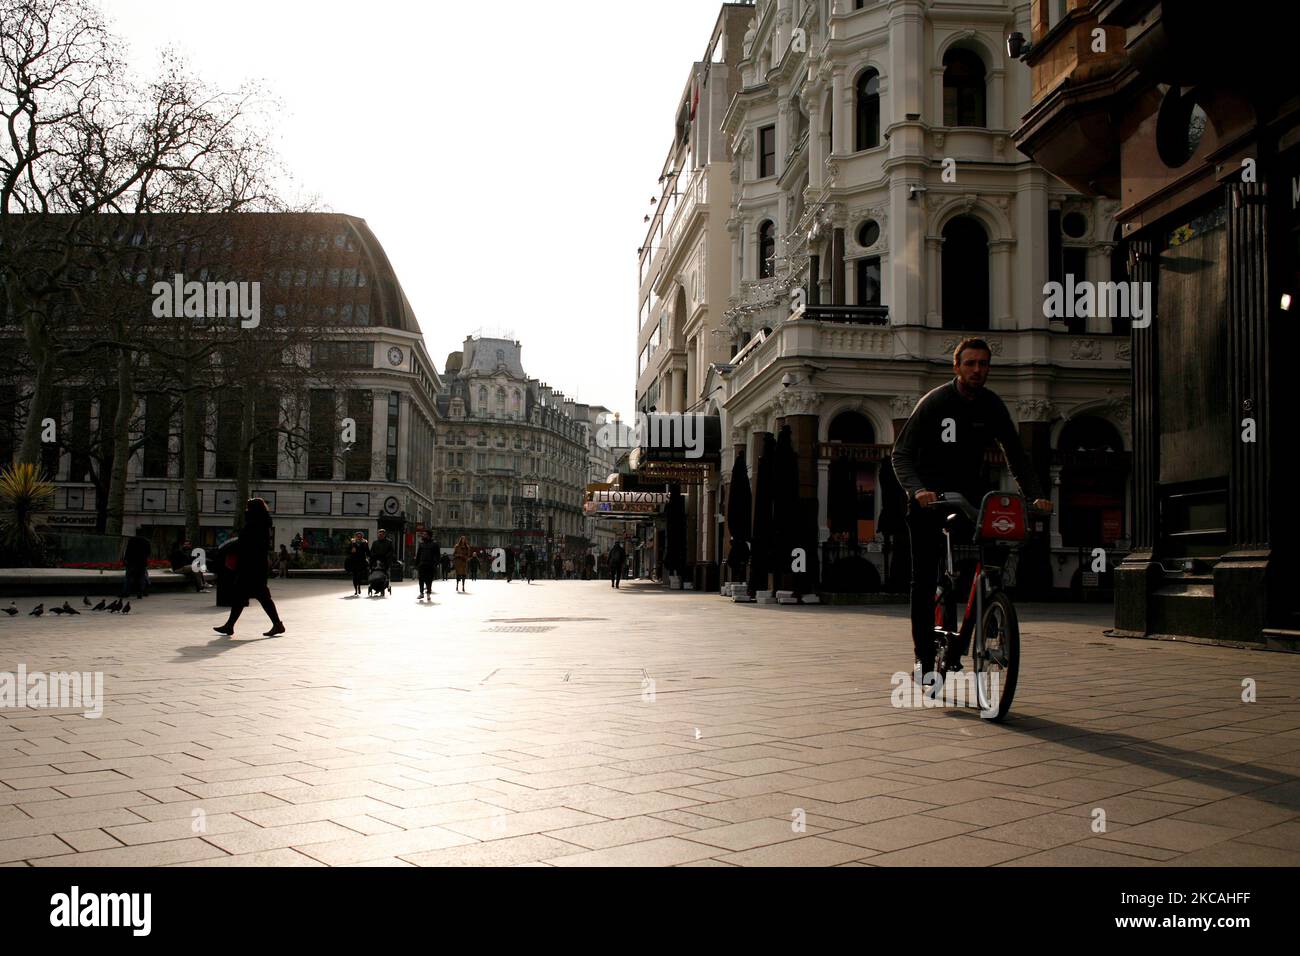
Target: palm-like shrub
(24,495)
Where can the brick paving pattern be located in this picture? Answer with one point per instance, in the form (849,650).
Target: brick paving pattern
(567,724)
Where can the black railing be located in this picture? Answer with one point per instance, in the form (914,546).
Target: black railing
(848,314)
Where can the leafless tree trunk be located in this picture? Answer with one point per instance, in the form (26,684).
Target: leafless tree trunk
(121,442)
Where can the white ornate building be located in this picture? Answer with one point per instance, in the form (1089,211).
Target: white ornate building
(512,460)
(684,275)
(874,170)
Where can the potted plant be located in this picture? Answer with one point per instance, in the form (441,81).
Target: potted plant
(24,496)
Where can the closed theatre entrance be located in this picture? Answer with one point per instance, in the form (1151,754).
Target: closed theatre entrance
(851,491)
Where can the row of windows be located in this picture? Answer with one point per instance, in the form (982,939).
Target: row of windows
(964,104)
(343,278)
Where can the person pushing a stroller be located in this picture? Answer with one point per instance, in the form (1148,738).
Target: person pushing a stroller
(381,558)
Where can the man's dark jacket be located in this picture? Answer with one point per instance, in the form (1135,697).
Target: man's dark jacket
(924,461)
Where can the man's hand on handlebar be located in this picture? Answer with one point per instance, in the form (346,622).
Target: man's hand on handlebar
(927,499)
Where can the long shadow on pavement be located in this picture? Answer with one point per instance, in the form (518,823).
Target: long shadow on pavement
(1152,755)
(213,648)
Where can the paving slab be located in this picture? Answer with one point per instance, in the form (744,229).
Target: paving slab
(425,738)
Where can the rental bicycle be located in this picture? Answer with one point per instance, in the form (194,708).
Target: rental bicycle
(1000,526)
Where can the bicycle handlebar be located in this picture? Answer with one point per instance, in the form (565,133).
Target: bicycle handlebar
(958,500)
(955,498)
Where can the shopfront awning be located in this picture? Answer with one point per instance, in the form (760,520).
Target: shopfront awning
(677,447)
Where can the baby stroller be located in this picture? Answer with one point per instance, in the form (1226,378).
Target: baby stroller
(379,580)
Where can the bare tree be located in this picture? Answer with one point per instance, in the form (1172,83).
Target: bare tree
(80,140)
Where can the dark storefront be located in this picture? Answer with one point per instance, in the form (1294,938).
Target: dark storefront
(669,456)
(1186,118)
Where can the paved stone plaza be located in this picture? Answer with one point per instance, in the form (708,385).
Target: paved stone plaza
(567,724)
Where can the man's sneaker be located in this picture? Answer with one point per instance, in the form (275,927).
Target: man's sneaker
(929,679)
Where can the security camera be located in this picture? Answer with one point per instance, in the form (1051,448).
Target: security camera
(914,191)
(787,380)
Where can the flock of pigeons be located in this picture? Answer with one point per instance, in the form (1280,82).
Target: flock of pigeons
(67,608)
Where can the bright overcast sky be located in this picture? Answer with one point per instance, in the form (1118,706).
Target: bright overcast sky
(503,152)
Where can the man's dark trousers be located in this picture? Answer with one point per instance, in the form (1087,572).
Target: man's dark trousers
(926,530)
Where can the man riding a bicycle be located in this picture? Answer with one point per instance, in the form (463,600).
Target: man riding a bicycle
(942,447)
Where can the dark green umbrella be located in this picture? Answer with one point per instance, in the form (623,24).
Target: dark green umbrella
(785,508)
(675,536)
(763,536)
(740,504)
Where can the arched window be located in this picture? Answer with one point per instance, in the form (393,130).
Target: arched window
(482,398)
(501,400)
(868,110)
(515,402)
(965,271)
(767,250)
(963,89)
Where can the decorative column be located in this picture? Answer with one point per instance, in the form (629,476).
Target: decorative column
(1241,606)
(838,117)
(403,437)
(339,466)
(379,436)
(1138,575)
(783,141)
(1099,271)
(996,102)
(933,296)
(815,155)
(1000,264)
(823,492)
(837,267)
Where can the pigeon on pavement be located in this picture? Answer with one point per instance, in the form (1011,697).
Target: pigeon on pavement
(11,610)
(103,603)
(56,610)
(127,609)
(69,609)
(85,601)
(115,606)
(37,611)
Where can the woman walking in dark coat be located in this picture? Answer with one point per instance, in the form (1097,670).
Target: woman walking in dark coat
(358,561)
(252,567)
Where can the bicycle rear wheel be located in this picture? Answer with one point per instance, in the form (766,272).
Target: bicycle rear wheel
(997,657)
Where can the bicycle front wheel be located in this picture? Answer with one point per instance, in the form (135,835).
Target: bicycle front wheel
(997,657)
